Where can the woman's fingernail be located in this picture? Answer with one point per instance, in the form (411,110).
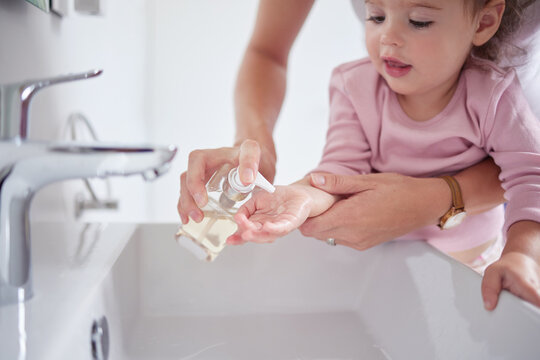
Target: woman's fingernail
(318,179)
(488,304)
(247,175)
(199,199)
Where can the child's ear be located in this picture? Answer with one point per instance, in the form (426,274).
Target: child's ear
(489,20)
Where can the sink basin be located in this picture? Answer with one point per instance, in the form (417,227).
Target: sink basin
(295,299)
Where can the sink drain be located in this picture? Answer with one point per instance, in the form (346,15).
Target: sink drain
(99,339)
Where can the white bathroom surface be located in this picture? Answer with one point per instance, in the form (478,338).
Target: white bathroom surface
(70,263)
(295,299)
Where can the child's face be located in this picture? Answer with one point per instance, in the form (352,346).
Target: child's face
(419,46)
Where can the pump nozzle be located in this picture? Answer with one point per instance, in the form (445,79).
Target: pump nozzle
(264,184)
(260,181)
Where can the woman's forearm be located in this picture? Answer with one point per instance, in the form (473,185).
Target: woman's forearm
(259,94)
(383,206)
(480,188)
(262,77)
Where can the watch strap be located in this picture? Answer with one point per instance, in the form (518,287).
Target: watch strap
(457,198)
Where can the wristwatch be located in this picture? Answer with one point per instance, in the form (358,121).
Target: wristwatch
(456,214)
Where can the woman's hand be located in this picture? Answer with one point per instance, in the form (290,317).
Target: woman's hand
(377,207)
(518,269)
(265,216)
(250,158)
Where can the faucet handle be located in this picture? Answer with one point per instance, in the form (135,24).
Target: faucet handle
(15,101)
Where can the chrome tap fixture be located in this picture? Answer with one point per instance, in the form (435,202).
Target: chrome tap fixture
(26,166)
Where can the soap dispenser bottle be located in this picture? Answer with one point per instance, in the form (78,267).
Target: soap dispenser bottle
(226,194)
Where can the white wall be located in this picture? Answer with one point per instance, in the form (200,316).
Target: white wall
(169,73)
(170,68)
(197,48)
(34,44)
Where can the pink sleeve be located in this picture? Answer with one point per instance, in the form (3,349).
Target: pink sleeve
(513,141)
(346,151)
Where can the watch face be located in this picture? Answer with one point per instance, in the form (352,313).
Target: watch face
(455,220)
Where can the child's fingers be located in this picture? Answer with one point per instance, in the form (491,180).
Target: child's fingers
(516,273)
(243,216)
(530,294)
(524,285)
(258,236)
(246,224)
(235,239)
(246,210)
(278,228)
(535,297)
(240,218)
(492,286)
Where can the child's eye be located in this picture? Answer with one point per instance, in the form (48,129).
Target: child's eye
(376,19)
(420,24)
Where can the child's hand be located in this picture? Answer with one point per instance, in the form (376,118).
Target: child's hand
(515,272)
(266,216)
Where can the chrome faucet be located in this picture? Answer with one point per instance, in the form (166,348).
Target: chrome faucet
(26,166)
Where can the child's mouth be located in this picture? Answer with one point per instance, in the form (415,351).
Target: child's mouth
(396,68)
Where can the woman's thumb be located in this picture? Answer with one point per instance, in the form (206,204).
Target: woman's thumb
(339,184)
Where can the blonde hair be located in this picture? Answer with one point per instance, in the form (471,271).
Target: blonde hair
(500,46)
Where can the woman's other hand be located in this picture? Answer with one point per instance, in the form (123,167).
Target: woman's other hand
(376,207)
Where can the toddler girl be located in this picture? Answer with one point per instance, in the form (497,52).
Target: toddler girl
(429,101)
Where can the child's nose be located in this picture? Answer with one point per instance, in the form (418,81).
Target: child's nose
(392,35)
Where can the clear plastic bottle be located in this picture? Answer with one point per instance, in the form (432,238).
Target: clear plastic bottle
(226,194)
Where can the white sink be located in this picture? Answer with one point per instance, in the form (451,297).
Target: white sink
(295,299)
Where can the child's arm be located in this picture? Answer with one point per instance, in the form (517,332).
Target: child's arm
(513,141)
(266,216)
(518,269)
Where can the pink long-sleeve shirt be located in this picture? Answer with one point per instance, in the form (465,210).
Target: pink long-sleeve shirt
(487,116)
